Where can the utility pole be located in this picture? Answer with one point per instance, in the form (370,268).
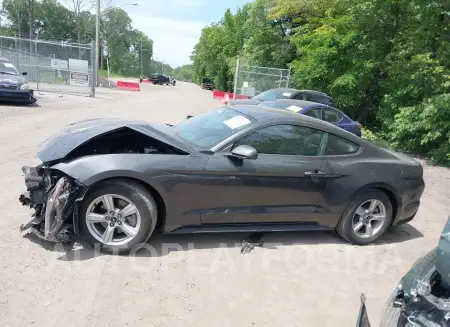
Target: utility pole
(97,41)
(142,63)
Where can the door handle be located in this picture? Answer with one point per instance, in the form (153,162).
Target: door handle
(314,173)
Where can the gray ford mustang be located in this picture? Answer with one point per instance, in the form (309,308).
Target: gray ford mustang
(234,169)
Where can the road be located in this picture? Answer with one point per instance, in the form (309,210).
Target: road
(295,279)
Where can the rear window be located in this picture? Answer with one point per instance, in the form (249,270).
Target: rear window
(339,146)
(273,95)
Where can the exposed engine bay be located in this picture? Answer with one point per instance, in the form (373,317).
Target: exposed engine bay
(123,140)
(422,298)
(53,195)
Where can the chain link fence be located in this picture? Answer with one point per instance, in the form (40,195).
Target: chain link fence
(52,66)
(253,80)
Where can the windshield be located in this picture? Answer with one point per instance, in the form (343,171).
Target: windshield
(8,68)
(208,129)
(273,95)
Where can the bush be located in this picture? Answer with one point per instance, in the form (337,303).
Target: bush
(424,129)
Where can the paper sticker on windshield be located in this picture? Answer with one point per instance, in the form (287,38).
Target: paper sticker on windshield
(7,64)
(237,122)
(294,108)
(286,94)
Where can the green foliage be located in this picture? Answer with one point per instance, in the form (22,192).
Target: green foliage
(123,47)
(424,128)
(385,62)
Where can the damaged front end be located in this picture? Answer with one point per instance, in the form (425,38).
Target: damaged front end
(52,197)
(422,298)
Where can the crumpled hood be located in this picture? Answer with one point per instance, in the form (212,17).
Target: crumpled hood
(443,254)
(69,138)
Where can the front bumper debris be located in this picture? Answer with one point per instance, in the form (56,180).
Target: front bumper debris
(52,198)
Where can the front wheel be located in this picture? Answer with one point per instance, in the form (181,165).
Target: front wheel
(366,218)
(174,83)
(118,216)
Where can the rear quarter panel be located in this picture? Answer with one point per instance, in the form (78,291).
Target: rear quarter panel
(354,175)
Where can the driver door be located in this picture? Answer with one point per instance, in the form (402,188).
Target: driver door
(283,185)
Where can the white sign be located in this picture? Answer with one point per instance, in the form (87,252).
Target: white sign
(250,91)
(78,65)
(237,122)
(245,84)
(79,79)
(59,64)
(286,94)
(294,108)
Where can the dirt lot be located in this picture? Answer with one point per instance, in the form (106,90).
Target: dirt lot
(296,279)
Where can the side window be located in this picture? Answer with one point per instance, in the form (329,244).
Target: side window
(314,113)
(315,98)
(285,140)
(331,116)
(338,146)
(300,96)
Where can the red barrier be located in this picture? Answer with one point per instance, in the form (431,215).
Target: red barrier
(221,95)
(131,86)
(145,81)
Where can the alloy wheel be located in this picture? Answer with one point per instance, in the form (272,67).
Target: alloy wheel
(369,218)
(113,219)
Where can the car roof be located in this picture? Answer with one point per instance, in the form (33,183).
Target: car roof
(4,59)
(301,103)
(305,104)
(265,115)
(291,90)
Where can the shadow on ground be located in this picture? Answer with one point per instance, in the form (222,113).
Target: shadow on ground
(18,104)
(162,244)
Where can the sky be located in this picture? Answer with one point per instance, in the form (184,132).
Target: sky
(175,25)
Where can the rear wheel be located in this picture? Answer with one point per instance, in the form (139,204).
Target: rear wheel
(117,216)
(366,218)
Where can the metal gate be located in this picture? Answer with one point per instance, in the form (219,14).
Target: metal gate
(252,80)
(52,66)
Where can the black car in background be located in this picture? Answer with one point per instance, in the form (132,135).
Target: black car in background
(14,86)
(207,84)
(288,93)
(161,79)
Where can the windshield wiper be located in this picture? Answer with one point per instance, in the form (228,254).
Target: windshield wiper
(8,73)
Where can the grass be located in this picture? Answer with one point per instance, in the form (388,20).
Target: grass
(104,73)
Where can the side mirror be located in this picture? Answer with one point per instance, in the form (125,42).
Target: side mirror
(244,152)
(189,117)
(24,73)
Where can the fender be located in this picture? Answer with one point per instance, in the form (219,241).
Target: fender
(88,171)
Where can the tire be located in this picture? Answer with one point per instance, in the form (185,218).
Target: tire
(346,223)
(174,83)
(132,192)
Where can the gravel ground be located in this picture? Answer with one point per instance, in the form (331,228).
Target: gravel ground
(295,279)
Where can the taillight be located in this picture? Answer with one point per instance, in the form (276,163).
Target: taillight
(358,126)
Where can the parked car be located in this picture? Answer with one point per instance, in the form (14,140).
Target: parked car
(319,111)
(422,297)
(287,93)
(14,87)
(207,84)
(234,169)
(160,79)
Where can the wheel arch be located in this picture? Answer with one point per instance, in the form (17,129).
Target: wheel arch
(387,189)
(90,180)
